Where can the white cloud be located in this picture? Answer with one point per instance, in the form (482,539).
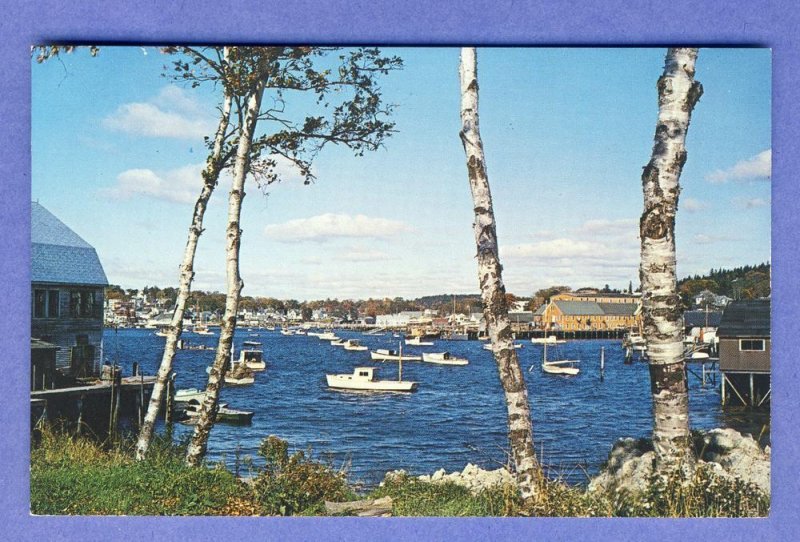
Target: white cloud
(181,185)
(691,205)
(705,239)
(332,226)
(601,227)
(173,113)
(757,167)
(750,203)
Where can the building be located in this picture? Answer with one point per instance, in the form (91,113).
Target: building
(67,281)
(578,311)
(744,352)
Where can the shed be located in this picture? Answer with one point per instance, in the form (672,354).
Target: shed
(744,352)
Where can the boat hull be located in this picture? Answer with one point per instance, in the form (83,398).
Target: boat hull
(347,382)
(388,357)
(439,359)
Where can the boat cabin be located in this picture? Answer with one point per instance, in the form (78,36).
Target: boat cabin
(363,373)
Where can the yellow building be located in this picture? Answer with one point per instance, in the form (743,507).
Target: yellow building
(577,311)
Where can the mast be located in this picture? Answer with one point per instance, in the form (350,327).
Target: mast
(400,363)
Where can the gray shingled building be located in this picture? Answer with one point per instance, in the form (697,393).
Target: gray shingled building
(67,281)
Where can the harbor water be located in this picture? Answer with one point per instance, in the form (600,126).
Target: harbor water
(456,417)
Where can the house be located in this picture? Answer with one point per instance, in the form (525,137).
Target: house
(707,298)
(744,352)
(575,311)
(67,281)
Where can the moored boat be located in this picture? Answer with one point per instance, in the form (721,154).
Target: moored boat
(417,341)
(224,414)
(382,354)
(363,379)
(354,345)
(443,358)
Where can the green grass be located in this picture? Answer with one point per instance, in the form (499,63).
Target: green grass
(72,475)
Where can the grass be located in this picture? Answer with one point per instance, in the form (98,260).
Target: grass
(73,475)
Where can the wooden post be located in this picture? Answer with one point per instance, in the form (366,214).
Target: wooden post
(118,385)
(168,412)
(752,392)
(704,375)
(602,362)
(722,383)
(111,405)
(80,415)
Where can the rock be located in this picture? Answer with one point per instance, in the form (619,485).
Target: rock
(728,453)
(472,477)
(438,475)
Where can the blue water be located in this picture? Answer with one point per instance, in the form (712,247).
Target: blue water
(456,417)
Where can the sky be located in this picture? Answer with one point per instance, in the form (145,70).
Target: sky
(117,150)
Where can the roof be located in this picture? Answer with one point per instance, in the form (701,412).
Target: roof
(698,318)
(746,318)
(540,310)
(619,309)
(59,255)
(579,308)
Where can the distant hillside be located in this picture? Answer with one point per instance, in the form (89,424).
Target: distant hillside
(748,282)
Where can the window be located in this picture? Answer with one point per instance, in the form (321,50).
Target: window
(45,304)
(751,345)
(52,303)
(39,303)
(82,304)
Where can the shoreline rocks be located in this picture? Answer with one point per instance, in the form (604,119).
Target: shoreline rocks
(474,478)
(729,454)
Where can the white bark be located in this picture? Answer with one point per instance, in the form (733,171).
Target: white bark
(210,178)
(495,308)
(208,409)
(678,93)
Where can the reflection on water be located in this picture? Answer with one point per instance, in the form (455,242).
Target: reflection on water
(457,417)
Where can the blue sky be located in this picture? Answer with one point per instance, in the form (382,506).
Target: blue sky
(117,150)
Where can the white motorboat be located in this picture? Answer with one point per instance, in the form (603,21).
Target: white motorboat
(161,333)
(354,345)
(382,354)
(363,379)
(443,358)
(328,336)
(287,332)
(489,346)
(417,341)
(189,394)
(240,377)
(252,359)
(564,367)
(251,343)
(224,414)
(550,339)
(202,330)
(338,342)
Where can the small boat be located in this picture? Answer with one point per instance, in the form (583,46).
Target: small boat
(287,332)
(189,394)
(202,329)
(328,336)
(252,359)
(443,358)
(161,333)
(417,341)
(363,379)
(489,346)
(240,377)
(224,414)
(354,345)
(382,354)
(551,339)
(563,367)
(251,343)
(338,342)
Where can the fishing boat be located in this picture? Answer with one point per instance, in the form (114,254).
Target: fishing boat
(564,367)
(189,394)
(354,345)
(382,354)
(337,342)
(417,341)
(251,343)
(252,359)
(287,332)
(443,358)
(363,379)
(161,333)
(550,339)
(328,336)
(224,414)
(489,346)
(237,376)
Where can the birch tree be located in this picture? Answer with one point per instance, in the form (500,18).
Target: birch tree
(678,92)
(214,165)
(358,122)
(493,293)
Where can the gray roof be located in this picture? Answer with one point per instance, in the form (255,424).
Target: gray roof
(619,309)
(59,255)
(579,308)
(746,318)
(540,310)
(698,318)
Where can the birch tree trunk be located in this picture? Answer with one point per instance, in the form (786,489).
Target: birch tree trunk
(208,409)
(678,93)
(493,293)
(210,178)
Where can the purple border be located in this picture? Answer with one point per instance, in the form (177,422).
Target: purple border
(497,22)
